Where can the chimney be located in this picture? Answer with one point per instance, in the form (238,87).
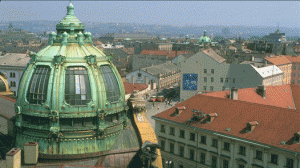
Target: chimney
(179,110)
(252,125)
(132,81)
(261,90)
(211,116)
(234,93)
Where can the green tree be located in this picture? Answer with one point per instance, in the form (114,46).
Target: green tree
(10,26)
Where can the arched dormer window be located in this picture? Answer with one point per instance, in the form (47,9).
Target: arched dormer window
(111,83)
(77,86)
(37,90)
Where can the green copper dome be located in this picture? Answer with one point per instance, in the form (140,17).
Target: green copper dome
(71,98)
(204,38)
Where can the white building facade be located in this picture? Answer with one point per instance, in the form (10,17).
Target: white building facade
(207,71)
(13,66)
(201,148)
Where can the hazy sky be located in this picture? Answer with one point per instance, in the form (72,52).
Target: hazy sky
(177,13)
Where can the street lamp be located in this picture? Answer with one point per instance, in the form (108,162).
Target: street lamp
(169,163)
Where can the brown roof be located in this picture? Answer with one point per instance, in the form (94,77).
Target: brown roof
(211,53)
(129,87)
(296,95)
(278,60)
(98,43)
(170,54)
(295,59)
(129,51)
(280,96)
(276,124)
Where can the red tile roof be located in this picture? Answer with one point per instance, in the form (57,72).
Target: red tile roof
(129,87)
(276,124)
(170,54)
(275,95)
(278,60)
(129,51)
(296,95)
(295,59)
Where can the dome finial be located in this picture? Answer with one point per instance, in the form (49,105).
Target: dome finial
(70,9)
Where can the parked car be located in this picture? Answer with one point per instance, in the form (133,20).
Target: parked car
(160,98)
(153,98)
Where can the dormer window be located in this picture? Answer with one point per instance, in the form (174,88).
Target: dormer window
(179,110)
(37,90)
(111,83)
(211,116)
(251,126)
(77,86)
(297,137)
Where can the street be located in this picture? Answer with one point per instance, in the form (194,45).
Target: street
(154,110)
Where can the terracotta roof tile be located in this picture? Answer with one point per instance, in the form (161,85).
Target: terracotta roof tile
(275,124)
(295,59)
(280,96)
(129,87)
(296,95)
(279,60)
(170,54)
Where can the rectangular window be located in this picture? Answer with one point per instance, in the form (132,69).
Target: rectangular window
(181,151)
(233,80)
(223,88)
(111,83)
(172,131)
(214,143)
(204,88)
(294,67)
(181,133)
(202,158)
(225,164)
(205,79)
(211,88)
(294,74)
(139,74)
(289,163)
(12,75)
(226,80)
(203,140)
(37,90)
(172,148)
(214,162)
(226,146)
(205,71)
(212,79)
(258,155)
(192,136)
(242,150)
(274,158)
(162,128)
(162,144)
(12,83)
(192,153)
(212,71)
(221,80)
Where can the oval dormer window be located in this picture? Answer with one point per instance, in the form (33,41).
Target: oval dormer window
(77,86)
(37,90)
(111,83)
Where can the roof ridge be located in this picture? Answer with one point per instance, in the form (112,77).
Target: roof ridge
(249,103)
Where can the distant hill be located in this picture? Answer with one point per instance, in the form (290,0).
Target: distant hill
(104,28)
